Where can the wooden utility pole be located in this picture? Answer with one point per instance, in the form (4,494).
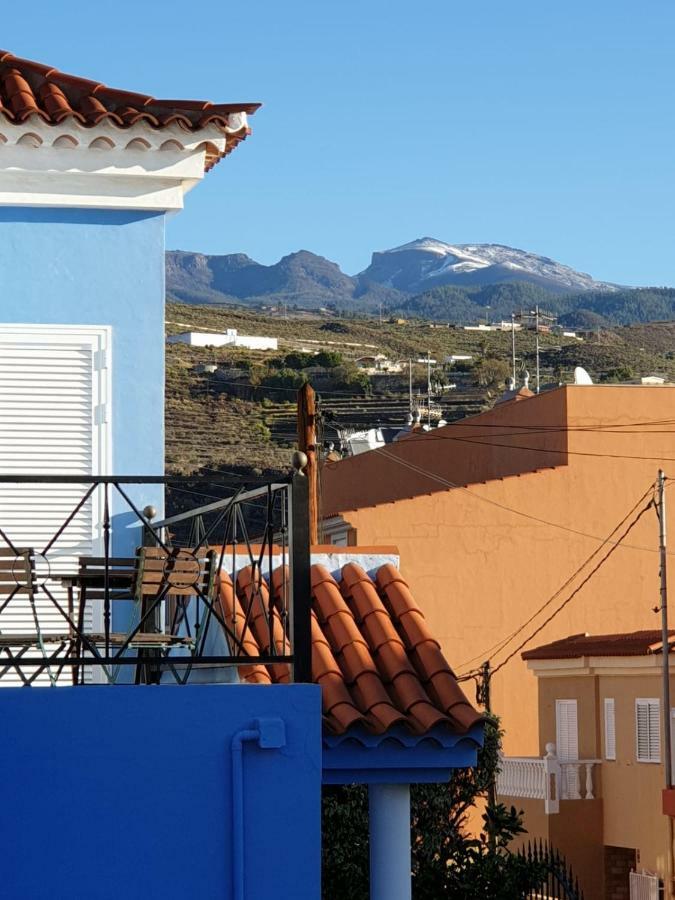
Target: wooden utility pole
(307,443)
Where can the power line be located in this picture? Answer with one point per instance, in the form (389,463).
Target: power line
(576,590)
(501,644)
(536,428)
(490,443)
(517,512)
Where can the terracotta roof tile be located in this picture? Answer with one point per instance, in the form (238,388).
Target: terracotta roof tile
(28,88)
(633,643)
(378,666)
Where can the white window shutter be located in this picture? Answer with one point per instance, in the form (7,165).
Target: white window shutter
(53,389)
(567,730)
(610,729)
(648,730)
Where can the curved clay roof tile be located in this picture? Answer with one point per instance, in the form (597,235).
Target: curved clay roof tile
(369,679)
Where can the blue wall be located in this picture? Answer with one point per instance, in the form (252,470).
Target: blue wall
(126,792)
(98,267)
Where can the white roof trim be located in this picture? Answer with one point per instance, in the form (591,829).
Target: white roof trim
(648,663)
(104,166)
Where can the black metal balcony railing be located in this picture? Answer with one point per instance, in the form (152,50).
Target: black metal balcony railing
(62,597)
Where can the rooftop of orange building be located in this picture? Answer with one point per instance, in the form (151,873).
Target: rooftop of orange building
(485,447)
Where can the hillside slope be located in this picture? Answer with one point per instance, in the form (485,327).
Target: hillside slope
(242,417)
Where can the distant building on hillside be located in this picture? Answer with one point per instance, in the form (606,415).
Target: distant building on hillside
(378,364)
(229,338)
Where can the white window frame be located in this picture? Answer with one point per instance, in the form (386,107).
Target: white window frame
(610,728)
(649,703)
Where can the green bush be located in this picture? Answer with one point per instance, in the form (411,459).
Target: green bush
(284,378)
(329,359)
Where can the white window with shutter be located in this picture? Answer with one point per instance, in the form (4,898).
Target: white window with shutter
(610,729)
(567,743)
(54,420)
(648,730)
(567,730)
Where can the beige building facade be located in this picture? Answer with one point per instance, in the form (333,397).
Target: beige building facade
(595,789)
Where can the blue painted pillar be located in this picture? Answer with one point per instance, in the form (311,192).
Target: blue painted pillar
(390,865)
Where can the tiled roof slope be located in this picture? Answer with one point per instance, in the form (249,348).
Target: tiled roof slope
(377,663)
(32,89)
(633,643)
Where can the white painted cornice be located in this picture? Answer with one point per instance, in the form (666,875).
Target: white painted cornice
(647,664)
(105,166)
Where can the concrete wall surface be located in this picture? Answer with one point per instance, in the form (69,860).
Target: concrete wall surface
(575,832)
(131,792)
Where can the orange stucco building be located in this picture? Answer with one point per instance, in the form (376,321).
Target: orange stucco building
(493,516)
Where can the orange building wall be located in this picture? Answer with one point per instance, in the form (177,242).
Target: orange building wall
(480,571)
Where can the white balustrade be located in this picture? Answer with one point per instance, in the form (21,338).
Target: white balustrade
(522,776)
(548,778)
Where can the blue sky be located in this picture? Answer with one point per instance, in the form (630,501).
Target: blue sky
(546,126)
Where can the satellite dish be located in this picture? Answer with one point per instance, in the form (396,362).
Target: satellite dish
(581,376)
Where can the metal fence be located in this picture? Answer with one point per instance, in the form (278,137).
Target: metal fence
(559,882)
(645,886)
(61,608)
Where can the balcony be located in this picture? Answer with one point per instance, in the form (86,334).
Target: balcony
(548,779)
(94,587)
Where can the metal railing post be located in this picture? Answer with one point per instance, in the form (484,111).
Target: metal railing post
(300,579)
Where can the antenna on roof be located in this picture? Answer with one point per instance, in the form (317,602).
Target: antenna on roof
(581,376)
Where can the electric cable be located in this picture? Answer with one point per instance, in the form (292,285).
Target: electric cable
(575,591)
(434,477)
(501,644)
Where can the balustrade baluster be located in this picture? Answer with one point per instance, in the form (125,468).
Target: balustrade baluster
(589,781)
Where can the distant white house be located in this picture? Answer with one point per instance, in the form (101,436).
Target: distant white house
(228,338)
(653,379)
(378,364)
(458,357)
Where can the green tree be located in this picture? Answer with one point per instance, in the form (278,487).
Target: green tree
(491,373)
(329,359)
(284,378)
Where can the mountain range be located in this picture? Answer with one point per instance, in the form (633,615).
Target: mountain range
(310,280)
(426,277)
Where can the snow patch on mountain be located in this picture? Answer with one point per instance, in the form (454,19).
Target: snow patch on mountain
(441,261)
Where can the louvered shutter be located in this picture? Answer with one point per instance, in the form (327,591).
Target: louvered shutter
(52,421)
(610,729)
(567,733)
(648,730)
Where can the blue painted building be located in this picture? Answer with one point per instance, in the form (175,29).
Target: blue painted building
(88,175)
(209,790)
